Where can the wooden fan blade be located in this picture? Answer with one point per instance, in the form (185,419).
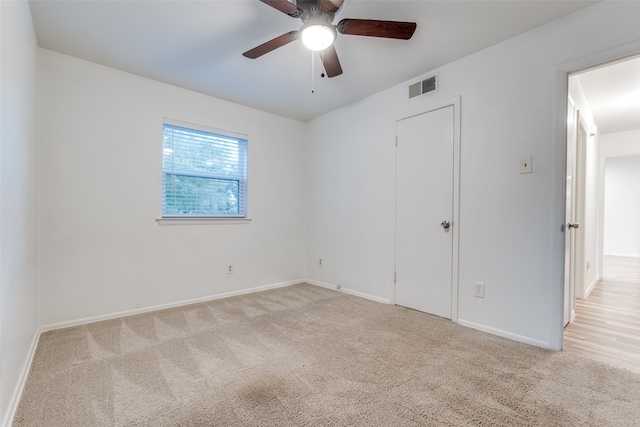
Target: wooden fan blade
(330,6)
(272,45)
(285,7)
(331,62)
(374,28)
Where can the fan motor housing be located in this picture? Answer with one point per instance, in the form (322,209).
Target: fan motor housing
(311,12)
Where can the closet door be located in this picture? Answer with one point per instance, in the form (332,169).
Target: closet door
(424,212)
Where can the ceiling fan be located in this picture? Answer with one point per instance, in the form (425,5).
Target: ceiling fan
(318,33)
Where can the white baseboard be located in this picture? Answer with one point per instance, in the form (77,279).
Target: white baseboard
(587,291)
(500,332)
(349,291)
(366,296)
(93,319)
(322,284)
(22,380)
(624,255)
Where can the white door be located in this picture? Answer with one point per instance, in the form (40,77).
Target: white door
(424,212)
(570,224)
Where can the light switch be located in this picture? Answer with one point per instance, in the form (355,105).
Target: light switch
(525,165)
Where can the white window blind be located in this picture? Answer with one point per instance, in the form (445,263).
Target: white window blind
(204,173)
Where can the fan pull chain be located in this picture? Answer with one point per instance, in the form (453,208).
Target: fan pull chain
(313,56)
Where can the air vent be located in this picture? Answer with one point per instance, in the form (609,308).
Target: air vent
(422,87)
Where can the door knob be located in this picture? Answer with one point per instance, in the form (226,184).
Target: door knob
(445,224)
(573,225)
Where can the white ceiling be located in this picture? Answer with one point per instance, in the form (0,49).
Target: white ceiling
(613,95)
(198,45)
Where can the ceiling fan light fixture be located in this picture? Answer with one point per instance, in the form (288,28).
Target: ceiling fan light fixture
(318,36)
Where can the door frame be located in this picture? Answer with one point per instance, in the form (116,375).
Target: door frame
(582,138)
(569,210)
(560,102)
(416,110)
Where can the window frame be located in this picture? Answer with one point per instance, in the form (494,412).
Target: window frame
(242,180)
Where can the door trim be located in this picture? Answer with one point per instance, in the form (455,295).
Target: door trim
(560,97)
(455,229)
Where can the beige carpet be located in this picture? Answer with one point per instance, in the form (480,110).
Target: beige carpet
(308,356)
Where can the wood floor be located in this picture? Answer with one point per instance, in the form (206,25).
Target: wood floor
(607,323)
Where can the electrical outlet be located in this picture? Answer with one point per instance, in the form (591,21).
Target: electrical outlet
(588,265)
(478,289)
(229,268)
(319,262)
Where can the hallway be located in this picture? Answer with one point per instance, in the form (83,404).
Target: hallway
(607,324)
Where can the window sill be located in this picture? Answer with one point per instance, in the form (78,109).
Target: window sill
(202,221)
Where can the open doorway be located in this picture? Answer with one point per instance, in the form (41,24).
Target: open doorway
(602,262)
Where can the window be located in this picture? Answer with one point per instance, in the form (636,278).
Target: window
(204,173)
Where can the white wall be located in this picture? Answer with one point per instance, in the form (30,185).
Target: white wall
(620,144)
(510,236)
(101,250)
(622,206)
(591,222)
(18,200)
(614,145)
